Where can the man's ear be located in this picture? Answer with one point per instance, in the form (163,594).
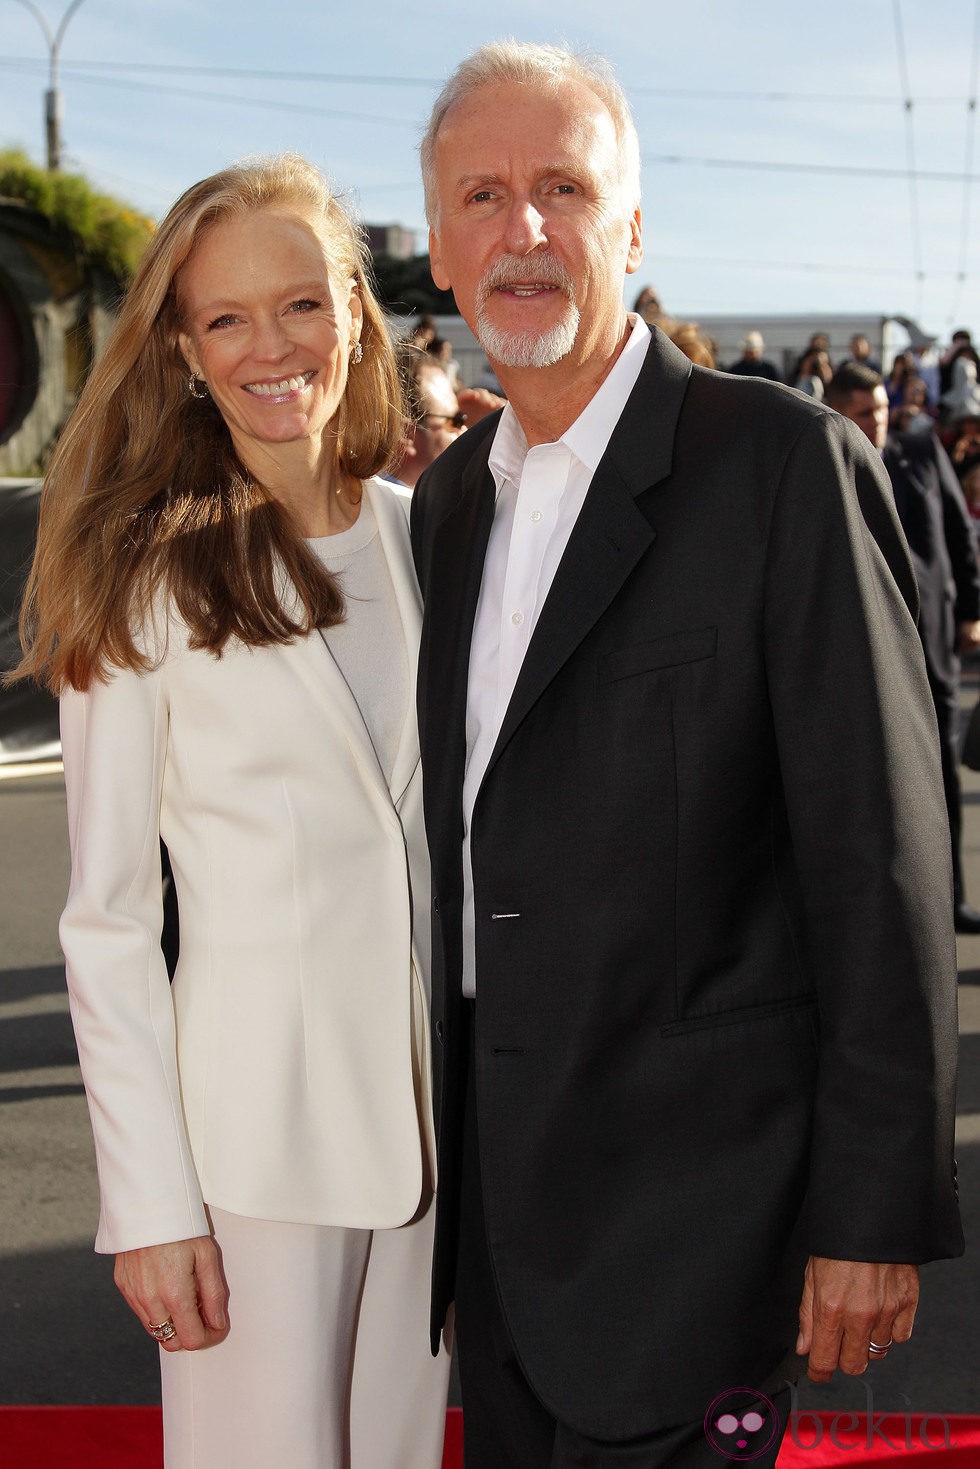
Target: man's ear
(436,266)
(635,253)
(186,346)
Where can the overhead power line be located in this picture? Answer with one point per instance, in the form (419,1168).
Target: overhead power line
(911,174)
(333,78)
(845,170)
(971,128)
(804,266)
(238,73)
(250,101)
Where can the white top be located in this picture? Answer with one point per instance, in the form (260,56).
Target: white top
(369,646)
(540,493)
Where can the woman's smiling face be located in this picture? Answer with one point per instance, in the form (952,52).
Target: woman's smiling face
(269,327)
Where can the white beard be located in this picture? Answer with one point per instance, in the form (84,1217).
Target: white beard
(528,349)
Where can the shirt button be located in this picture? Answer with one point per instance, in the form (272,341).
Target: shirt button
(535,516)
(517,618)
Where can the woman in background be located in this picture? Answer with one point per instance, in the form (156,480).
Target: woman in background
(223,596)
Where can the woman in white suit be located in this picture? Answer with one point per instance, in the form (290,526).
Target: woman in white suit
(223,596)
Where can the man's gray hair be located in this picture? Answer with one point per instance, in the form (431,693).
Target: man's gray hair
(543,66)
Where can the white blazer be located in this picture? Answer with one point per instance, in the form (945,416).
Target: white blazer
(275,1078)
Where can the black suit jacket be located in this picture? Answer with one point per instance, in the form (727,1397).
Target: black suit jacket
(722,1031)
(943,544)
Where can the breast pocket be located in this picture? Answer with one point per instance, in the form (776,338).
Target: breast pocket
(670,651)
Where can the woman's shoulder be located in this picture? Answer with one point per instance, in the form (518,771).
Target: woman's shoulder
(390,493)
(159,632)
(391,504)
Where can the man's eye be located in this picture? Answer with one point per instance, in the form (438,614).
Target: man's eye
(565,189)
(481,196)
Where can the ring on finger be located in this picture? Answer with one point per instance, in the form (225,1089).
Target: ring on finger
(166,1331)
(879,1349)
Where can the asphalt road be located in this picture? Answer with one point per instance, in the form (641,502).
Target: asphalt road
(65,1334)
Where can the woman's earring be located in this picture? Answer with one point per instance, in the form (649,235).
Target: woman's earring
(193,385)
(356,354)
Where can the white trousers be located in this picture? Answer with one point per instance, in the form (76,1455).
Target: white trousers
(327,1362)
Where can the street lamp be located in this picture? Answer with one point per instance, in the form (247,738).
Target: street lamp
(52,97)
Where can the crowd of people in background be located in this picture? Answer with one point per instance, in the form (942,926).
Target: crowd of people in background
(923,416)
(930,390)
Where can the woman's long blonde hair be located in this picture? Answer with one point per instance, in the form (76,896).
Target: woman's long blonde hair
(146,495)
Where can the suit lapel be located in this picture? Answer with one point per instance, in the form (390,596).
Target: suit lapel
(451,595)
(393,530)
(319,670)
(316,666)
(611,533)
(609,538)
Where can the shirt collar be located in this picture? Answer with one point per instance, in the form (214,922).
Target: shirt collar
(588,437)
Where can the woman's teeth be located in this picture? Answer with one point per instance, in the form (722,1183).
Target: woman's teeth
(276,390)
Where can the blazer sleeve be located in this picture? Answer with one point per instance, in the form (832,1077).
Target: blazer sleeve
(858,753)
(961,538)
(114,738)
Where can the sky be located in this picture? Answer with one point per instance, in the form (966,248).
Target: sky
(775,135)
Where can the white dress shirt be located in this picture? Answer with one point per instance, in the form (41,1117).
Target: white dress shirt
(540,493)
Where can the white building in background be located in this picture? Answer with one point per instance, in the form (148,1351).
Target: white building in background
(785,338)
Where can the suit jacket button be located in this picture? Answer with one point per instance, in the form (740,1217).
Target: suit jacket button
(439,1030)
(435,905)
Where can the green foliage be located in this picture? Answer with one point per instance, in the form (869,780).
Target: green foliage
(406,286)
(106,231)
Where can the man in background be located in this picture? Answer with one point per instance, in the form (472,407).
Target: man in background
(434,417)
(942,540)
(752,363)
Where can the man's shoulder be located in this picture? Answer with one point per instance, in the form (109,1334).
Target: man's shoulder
(912,450)
(443,477)
(754,401)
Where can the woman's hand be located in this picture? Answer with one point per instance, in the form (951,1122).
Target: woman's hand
(183,1281)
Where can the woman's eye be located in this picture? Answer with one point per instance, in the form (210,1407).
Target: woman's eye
(219,321)
(305,305)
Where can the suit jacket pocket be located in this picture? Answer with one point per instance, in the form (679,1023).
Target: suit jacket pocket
(740,1016)
(667,652)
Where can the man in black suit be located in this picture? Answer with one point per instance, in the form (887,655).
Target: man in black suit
(752,363)
(694,983)
(943,544)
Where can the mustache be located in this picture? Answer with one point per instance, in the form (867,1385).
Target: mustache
(522,270)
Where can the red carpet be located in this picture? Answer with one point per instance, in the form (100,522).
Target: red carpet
(131,1438)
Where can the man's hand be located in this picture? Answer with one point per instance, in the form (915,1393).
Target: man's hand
(182,1281)
(968,637)
(848,1304)
(477,403)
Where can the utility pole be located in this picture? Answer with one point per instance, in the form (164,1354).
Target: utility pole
(52,97)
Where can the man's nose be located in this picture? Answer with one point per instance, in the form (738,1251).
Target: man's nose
(525,228)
